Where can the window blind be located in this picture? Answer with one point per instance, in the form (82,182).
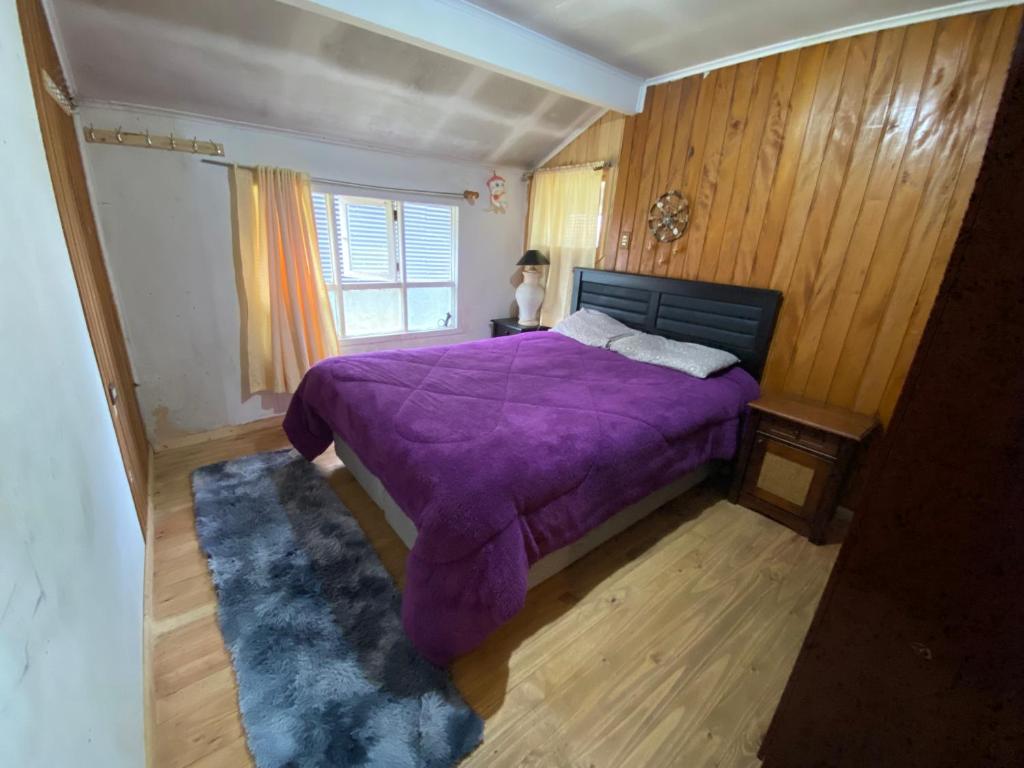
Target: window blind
(429,242)
(368,255)
(323,237)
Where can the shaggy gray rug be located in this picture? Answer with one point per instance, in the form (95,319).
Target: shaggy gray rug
(326,676)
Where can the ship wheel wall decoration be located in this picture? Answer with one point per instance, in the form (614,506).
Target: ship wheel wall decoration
(668,217)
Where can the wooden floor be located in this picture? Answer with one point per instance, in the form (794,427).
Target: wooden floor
(668,646)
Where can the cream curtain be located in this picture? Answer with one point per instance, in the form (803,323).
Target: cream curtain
(287,324)
(564,211)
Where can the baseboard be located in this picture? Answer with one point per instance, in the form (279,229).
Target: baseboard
(221,433)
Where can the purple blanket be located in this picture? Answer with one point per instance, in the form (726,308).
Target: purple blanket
(503,450)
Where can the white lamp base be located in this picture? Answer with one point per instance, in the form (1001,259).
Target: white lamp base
(530,296)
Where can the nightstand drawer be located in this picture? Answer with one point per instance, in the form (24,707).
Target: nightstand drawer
(776,427)
(816,440)
(798,434)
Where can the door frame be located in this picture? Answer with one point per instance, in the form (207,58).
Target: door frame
(71,194)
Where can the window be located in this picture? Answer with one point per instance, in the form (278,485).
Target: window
(389,266)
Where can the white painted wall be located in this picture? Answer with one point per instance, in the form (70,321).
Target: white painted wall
(166,227)
(71,552)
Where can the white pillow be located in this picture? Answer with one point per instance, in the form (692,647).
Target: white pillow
(694,359)
(596,329)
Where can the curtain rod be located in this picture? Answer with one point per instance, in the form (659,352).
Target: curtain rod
(597,165)
(468,194)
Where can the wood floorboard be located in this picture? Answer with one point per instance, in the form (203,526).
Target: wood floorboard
(669,645)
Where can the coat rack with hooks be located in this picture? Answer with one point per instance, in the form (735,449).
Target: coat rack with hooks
(172,143)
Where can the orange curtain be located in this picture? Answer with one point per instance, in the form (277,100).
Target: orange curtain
(287,324)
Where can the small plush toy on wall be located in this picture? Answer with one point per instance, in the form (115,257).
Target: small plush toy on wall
(496,186)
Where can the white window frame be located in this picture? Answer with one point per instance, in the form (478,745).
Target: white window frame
(396,250)
(338,253)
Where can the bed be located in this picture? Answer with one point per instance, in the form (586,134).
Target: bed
(500,461)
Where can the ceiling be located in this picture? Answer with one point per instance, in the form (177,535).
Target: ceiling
(496,81)
(271,64)
(651,38)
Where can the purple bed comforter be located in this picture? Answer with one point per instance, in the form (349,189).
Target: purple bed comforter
(503,450)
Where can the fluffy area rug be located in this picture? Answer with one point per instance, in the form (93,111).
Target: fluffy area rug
(326,676)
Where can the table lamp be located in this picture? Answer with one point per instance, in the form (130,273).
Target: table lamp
(530,293)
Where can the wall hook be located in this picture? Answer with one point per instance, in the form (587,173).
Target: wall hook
(144,138)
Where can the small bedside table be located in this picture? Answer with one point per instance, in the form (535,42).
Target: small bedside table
(794,458)
(509,326)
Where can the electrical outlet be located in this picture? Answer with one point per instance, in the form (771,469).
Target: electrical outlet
(625,239)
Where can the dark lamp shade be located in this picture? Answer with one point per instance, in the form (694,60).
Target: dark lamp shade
(533,259)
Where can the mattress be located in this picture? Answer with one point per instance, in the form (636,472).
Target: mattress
(505,450)
(551,563)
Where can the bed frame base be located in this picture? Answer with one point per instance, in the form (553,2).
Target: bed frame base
(551,563)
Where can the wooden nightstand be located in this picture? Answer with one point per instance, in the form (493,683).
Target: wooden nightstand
(794,459)
(509,326)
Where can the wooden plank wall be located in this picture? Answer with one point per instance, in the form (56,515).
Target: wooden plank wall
(838,174)
(601,141)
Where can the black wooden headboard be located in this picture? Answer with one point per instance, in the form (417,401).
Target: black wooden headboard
(730,317)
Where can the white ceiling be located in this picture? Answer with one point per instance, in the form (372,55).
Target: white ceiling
(652,38)
(414,75)
(271,64)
